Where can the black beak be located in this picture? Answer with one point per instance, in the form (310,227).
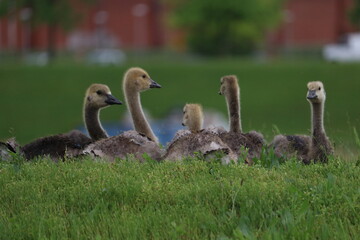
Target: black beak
(183,124)
(111,100)
(312,94)
(154,84)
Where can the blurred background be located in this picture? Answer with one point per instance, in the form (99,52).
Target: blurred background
(52,50)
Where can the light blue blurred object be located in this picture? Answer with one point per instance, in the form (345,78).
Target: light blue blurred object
(165,128)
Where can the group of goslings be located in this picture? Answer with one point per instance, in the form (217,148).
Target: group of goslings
(195,141)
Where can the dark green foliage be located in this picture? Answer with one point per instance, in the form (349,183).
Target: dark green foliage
(190,200)
(355,13)
(268,158)
(226,27)
(52,12)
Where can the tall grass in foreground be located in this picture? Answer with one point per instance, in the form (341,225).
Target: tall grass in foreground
(189,200)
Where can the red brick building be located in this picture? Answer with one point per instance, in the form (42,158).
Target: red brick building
(142,24)
(114,23)
(312,23)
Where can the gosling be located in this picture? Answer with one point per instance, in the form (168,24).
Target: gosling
(196,140)
(97,97)
(238,141)
(316,147)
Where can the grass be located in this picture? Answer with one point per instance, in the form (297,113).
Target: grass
(191,199)
(184,200)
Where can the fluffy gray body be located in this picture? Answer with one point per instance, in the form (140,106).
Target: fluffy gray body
(239,142)
(289,146)
(204,144)
(129,143)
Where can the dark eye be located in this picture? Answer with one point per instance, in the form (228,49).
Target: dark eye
(144,76)
(99,92)
(319,88)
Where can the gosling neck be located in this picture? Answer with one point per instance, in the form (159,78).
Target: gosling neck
(140,123)
(233,104)
(92,123)
(321,146)
(317,111)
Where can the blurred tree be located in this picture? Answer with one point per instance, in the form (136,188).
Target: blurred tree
(355,13)
(54,13)
(225,27)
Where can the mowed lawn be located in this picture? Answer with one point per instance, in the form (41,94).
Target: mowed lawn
(38,101)
(193,199)
(184,200)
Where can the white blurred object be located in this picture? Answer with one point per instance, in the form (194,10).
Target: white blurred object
(106,56)
(36,58)
(80,41)
(348,52)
